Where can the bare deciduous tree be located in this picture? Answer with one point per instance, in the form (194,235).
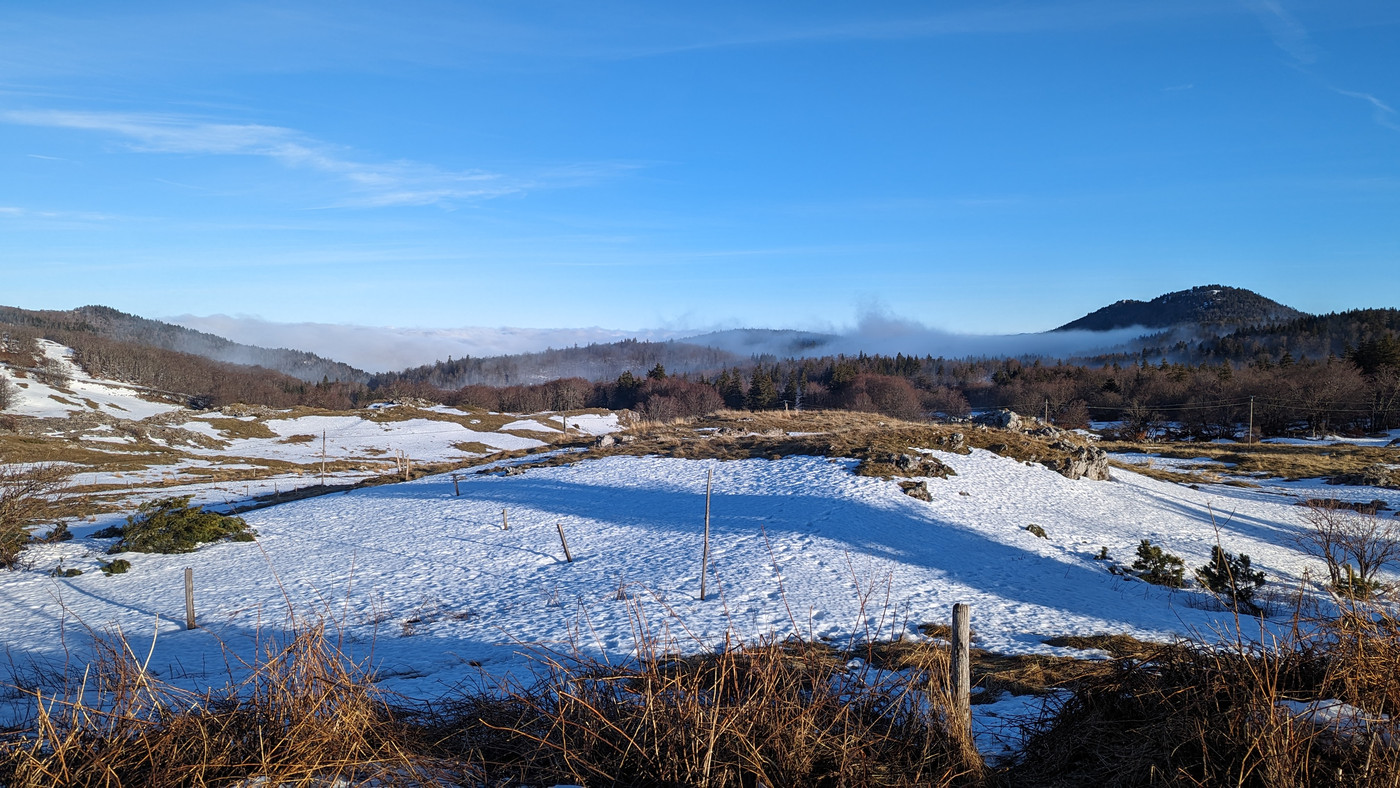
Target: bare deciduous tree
(1342,537)
(29,494)
(8,393)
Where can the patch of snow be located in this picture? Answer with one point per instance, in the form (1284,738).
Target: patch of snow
(529,425)
(1341,718)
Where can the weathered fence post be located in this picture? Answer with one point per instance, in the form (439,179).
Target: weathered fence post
(961,664)
(567,555)
(505,523)
(455,489)
(189,598)
(705,550)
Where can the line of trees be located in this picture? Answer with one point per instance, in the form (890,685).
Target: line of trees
(1205,401)
(1356,392)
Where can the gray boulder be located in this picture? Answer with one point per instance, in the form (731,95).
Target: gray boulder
(1003,419)
(1081,462)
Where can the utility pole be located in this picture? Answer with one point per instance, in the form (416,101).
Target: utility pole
(1251,419)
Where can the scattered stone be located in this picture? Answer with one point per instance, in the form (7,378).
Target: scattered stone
(917,490)
(1373,476)
(912,465)
(604,442)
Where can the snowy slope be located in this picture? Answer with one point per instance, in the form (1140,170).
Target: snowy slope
(83,393)
(429,586)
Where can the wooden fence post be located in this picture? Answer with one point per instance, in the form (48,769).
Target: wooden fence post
(567,555)
(189,598)
(455,489)
(505,523)
(961,664)
(705,550)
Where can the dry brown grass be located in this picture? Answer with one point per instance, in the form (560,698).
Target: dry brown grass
(474,447)
(783,712)
(1268,459)
(1198,474)
(305,711)
(304,438)
(29,448)
(238,428)
(779,712)
(1189,714)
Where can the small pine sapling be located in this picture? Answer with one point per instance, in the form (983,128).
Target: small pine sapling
(1159,567)
(1231,578)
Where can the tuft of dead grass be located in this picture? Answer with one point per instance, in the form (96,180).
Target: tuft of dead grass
(304,712)
(1201,714)
(775,712)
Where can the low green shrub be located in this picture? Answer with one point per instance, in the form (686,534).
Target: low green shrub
(1231,577)
(117,567)
(171,525)
(1159,567)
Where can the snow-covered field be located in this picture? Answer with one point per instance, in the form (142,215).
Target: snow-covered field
(429,585)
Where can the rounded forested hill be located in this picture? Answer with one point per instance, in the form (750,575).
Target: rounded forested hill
(1204,305)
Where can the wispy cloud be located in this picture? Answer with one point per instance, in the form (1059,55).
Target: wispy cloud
(1007,18)
(14,212)
(1292,37)
(1382,112)
(373,184)
(1286,31)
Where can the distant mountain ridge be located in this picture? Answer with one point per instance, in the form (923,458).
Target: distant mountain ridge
(1216,306)
(113,324)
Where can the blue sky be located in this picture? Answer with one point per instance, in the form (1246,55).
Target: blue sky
(983,167)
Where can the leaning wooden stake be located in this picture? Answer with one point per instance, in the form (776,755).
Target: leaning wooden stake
(961,666)
(189,598)
(567,555)
(705,550)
